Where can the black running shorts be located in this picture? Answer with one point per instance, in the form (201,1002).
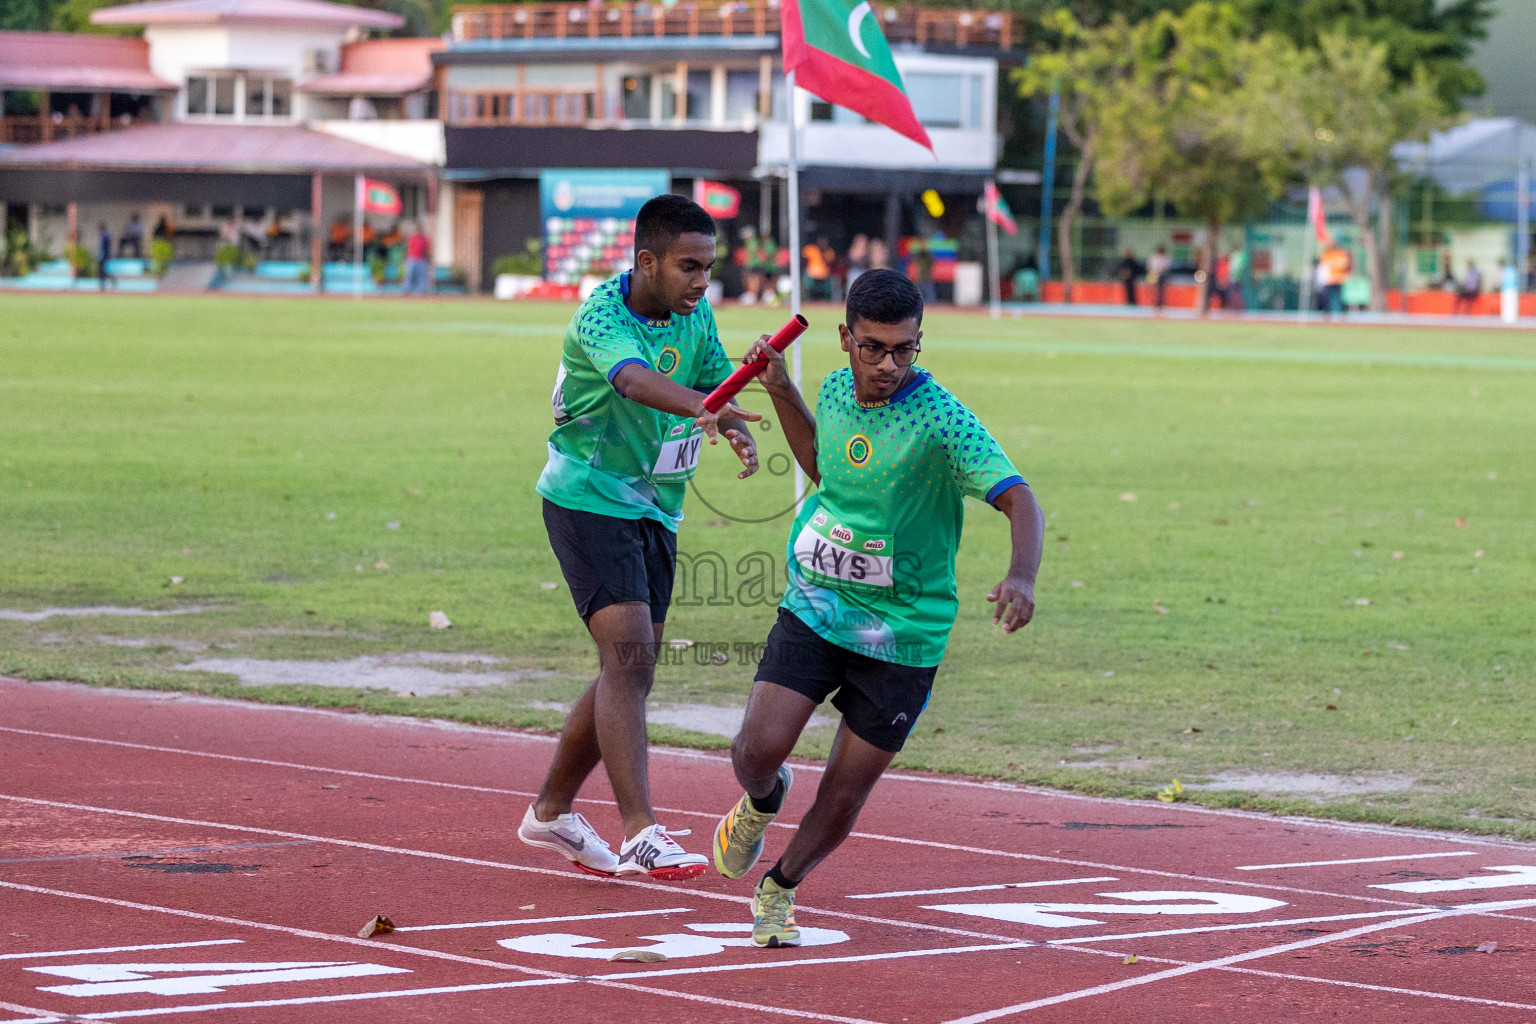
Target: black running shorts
(606,560)
(880,700)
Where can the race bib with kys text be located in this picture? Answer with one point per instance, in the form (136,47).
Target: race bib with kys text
(679,456)
(835,555)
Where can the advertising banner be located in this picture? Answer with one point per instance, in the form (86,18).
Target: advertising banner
(589,219)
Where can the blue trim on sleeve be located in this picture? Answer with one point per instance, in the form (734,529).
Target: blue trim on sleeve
(1002,485)
(623,363)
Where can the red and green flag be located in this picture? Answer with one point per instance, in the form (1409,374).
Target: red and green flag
(722,201)
(998,211)
(377,197)
(837,52)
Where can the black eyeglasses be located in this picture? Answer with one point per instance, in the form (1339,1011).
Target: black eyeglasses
(874,354)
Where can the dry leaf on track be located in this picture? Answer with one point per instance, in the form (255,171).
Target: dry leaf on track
(644,956)
(380,925)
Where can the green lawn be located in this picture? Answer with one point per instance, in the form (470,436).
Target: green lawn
(1306,504)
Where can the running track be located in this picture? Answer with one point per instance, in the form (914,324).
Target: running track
(165,857)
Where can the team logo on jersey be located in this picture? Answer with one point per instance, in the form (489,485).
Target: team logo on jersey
(668,360)
(820,519)
(859,449)
(874,545)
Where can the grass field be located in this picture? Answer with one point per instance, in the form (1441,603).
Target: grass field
(1294,565)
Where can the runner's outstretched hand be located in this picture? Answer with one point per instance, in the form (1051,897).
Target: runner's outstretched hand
(1015,600)
(710,421)
(746,450)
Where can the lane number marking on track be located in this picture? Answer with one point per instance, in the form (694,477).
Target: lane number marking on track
(1059,915)
(1519,874)
(199,979)
(716,939)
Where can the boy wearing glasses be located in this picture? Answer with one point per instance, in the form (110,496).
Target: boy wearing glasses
(871,595)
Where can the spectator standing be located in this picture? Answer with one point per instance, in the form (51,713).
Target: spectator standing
(922,263)
(858,258)
(1130,269)
(1335,269)
(818,270)
(132,238)
(103,254)
(879,254)
(1237,274)
(1470,288)
(418,254)
(1159,264)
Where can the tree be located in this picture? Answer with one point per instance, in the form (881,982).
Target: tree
(1437,36)
(1195,123)
(1349,113)
(1089,67)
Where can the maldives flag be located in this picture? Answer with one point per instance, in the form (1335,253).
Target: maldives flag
(376,197)
(1316,217)
(997,209)
(837,51)
(722,201)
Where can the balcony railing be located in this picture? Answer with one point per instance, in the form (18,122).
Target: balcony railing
(628,20)
(20,129)
(526,106)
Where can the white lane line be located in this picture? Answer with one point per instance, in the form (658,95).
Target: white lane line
(1195,968)
(1127,869)
(541,920)
(670,890)
(1356,860)
(303,933)
(376,947)
(980,888)
(120,949)
(1382,988)
(300,1000)
(504,735)
(1245,926)
(874,836)
(44,1017)
(905,954)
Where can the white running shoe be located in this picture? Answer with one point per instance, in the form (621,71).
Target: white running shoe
(654,853)
(572,837)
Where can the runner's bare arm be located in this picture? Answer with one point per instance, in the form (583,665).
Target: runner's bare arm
(658,391)
(796,419)
(1015,595)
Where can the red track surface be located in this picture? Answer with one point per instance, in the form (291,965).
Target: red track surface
(234,834)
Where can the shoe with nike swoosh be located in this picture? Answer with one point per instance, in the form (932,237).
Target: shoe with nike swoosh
(572,837)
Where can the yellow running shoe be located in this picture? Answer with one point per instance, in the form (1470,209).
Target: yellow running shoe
(739,836)
(773,915)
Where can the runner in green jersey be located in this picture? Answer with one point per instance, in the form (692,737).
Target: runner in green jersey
(871,595)
(639,357)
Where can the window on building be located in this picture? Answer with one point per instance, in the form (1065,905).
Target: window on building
(224,95)
(741,94)
(699,88)
(637,97)
(255,96)
(280,102)
(974,118)
(821,110)
(197,95)
(937,99)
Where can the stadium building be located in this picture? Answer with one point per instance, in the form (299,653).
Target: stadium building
(698,93)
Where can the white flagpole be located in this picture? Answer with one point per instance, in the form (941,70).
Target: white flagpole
(988,198)
(792,181)
(357,239)
(1308,246)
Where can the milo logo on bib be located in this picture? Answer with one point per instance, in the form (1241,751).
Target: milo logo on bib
(834,554)
(678,457)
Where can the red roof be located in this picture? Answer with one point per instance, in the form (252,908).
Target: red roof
(230,12)
(218,148)
(381,67)
(61,61)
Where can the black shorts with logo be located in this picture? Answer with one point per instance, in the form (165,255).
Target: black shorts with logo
(607,560)
(880,700)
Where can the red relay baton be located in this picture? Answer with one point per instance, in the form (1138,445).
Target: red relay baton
(732,385)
